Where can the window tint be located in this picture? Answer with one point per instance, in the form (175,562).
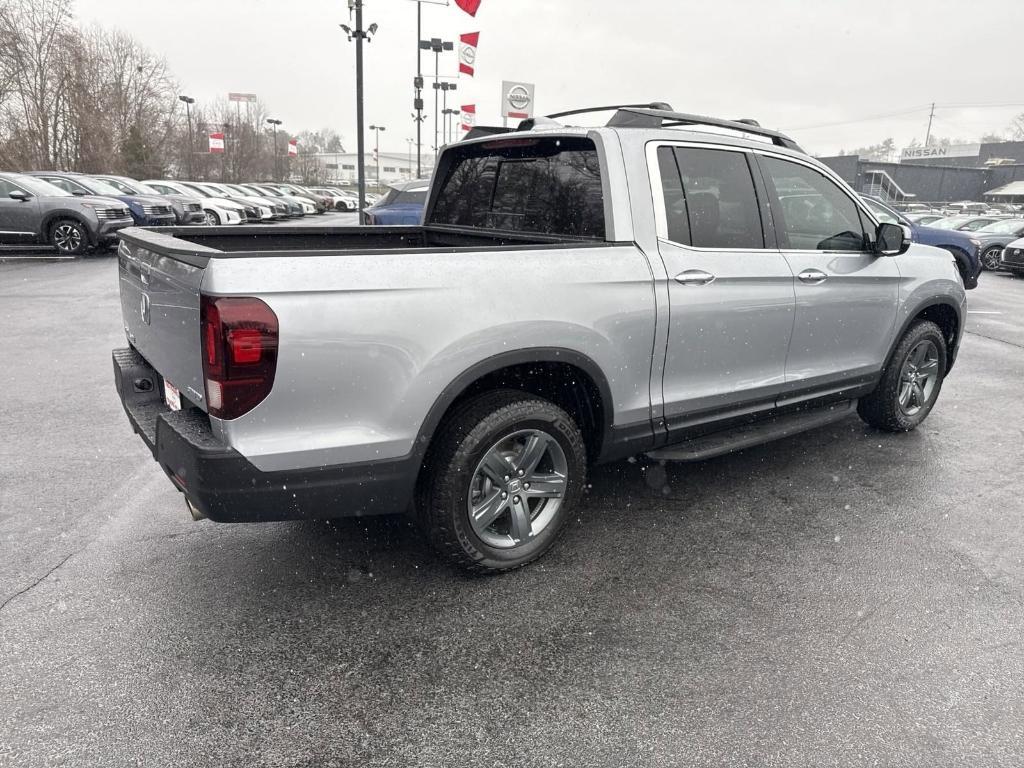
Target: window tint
(812,213)
(67,185)
(710,200)
(547,186)
(676,215)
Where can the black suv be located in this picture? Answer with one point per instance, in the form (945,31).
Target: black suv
(33,211)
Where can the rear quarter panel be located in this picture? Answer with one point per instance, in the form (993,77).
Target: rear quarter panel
(369,341)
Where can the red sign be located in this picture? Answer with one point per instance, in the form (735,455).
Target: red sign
(468,112)
(293,147)
(217,143)
(467,52)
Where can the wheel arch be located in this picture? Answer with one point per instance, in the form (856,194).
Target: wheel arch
(51,217)
(945,313)
(568,378)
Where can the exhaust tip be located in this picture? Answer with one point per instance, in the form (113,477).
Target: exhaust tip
(194,510)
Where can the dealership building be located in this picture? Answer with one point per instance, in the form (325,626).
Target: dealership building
(993,172)
(340,167)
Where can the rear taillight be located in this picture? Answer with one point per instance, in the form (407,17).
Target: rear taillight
(239,338)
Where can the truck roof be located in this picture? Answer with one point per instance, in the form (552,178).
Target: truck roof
(656,116)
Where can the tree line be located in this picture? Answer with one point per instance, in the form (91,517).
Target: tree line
(94,100)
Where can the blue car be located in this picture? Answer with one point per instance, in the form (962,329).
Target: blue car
(146,210)
(403,204)
(966,249)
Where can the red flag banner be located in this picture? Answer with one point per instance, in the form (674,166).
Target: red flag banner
(467,52)
(293,147)
(469,6)
(217,143)
(468,113)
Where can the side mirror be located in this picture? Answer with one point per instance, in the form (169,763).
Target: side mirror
(19,194)
(892,239)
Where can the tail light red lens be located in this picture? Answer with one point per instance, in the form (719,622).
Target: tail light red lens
(239,335)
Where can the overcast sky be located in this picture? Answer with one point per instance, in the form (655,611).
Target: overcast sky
(816,68)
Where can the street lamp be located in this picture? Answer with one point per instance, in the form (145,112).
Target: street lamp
(359,34)
(275,123)
(191,144)
(436,45)
(409,143)
(376,149)
(449,126)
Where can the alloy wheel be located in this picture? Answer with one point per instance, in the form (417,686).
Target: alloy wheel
(918,377)
(517,488)
(990,258)
(67,237)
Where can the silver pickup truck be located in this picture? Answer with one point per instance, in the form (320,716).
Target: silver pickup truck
(667,284)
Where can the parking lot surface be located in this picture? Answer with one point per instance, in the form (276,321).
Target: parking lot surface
(843,597)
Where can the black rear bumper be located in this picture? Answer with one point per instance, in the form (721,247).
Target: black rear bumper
(225,486)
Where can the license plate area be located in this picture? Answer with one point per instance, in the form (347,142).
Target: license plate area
(172,396)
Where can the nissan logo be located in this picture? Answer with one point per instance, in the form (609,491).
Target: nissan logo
(518,97)
(468,54)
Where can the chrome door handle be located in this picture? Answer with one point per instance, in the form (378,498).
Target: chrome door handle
(813,276)
(694,277)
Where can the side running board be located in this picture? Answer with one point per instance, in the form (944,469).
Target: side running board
(749,435)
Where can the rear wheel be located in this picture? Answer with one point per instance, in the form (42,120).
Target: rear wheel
(504,475)
(990,257)
(69,237)
(910,382)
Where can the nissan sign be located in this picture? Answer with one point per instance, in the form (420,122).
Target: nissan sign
(932,153)
(516,99)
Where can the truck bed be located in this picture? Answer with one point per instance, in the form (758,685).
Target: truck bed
(197,245)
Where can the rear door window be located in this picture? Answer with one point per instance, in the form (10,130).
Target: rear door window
(710,201)
(546,186)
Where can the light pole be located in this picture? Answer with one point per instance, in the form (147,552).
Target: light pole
(443,87)
(359,34)
(376,149)
(409,143)
(450,124)
(275,123)
(437,45)
(191,144)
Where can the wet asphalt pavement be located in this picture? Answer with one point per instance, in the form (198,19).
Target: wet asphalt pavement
(844,597)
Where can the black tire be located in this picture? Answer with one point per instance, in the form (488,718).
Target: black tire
(883,409)
(990,258)
(69,237)
(454,457)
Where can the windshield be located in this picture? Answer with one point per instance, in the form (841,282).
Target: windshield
(882,213)
(197,189)
(38,186)
(950,222)
(1007,227)
(98,186)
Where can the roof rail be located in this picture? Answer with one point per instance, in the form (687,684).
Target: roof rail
(645,117)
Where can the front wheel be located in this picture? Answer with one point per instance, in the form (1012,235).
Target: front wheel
(990,257)
(69,237)
(911,381)
(504,475)
(212,219)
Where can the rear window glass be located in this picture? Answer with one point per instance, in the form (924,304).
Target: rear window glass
(545,186)
(411,196)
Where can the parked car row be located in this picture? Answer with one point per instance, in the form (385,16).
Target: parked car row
(76,212)
(962,208)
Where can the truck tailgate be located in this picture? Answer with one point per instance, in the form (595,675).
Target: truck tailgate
(160,311)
